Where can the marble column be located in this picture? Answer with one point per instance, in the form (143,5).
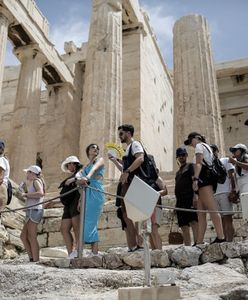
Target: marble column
(197,106)
(61,131)
(102,98)
(5,19)
(26,117)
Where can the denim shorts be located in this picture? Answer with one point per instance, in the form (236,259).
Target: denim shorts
(34,214)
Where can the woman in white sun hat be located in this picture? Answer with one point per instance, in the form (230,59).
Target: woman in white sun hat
(71,215)
(240,160)
(34,212)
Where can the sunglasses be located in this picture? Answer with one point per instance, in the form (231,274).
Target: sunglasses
(94,147)
(181,155)
(121,133)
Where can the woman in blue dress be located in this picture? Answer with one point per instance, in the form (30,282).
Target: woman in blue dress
(93,174)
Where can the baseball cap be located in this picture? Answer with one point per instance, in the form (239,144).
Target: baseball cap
(2,144)
(180,151)
(190,138)
(34,169)
(238,146)
(69,159)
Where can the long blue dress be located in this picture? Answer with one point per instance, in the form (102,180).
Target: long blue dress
(94,201)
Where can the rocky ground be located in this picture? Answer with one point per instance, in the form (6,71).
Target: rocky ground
(20,279)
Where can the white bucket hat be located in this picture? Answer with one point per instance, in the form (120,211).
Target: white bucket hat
(34,169)
(69,159)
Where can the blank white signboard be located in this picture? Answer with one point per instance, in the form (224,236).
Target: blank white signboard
(140,200)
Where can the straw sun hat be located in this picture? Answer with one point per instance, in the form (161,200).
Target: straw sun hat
(69,159)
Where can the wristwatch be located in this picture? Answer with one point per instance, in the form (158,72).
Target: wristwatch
(195,179)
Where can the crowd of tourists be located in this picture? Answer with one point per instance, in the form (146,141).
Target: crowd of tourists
(196,190)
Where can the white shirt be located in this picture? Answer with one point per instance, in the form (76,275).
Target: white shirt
(4,164)
(226,186)
(136,148)
(203,148)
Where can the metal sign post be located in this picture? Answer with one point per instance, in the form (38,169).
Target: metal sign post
(82,212)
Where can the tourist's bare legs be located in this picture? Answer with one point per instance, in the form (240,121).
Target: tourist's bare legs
(228,228)
(25,240)
(76,228)
(207,199)
(32,238)
(65,229)
(186,235)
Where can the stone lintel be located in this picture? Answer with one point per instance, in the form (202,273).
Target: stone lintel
(229,68)
(38,34)
(134,27)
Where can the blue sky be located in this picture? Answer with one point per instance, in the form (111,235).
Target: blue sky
(228,22)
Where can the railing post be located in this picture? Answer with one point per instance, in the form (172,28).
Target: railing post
(82,212)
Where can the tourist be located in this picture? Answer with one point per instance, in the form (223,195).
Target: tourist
(34,197)
(128,169)
(92,175)
(203,184)
(185,197)
(4,177)
(155,239)
(222,196)
(240,160)
(71,214)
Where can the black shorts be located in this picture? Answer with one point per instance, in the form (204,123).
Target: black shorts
(184,218)
(206,178)
(71,211)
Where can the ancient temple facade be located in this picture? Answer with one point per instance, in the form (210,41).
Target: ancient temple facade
(117,76)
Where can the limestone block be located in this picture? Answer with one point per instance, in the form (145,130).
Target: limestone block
(55,239)
(87,262)
(160,259)
(1,249)
(13,220)
(135,259)
(54,252)
(243,248)
(236,264)
(10,252)
(4,236)
(212,253)
(52,225)
(111,237)
(112,261)
(43,240)
(62,263)
(53,212)
(14,238)
(230,250)
(152,293)
(186,256)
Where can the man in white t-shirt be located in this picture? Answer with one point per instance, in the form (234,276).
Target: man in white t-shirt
(222,196)
(129,166)
(4,177)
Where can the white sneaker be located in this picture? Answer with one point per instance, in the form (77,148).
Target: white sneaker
(73,254)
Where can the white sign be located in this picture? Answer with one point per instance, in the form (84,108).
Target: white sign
(140,200)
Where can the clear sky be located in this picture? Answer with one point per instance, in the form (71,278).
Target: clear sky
(228,22)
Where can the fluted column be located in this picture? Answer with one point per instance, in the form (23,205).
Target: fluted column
(197,106)
(102,99)
(5,19)
(61,131)
(26,117)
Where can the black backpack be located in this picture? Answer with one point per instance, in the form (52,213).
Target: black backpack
(9,192)
(218,170)
(147,171)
